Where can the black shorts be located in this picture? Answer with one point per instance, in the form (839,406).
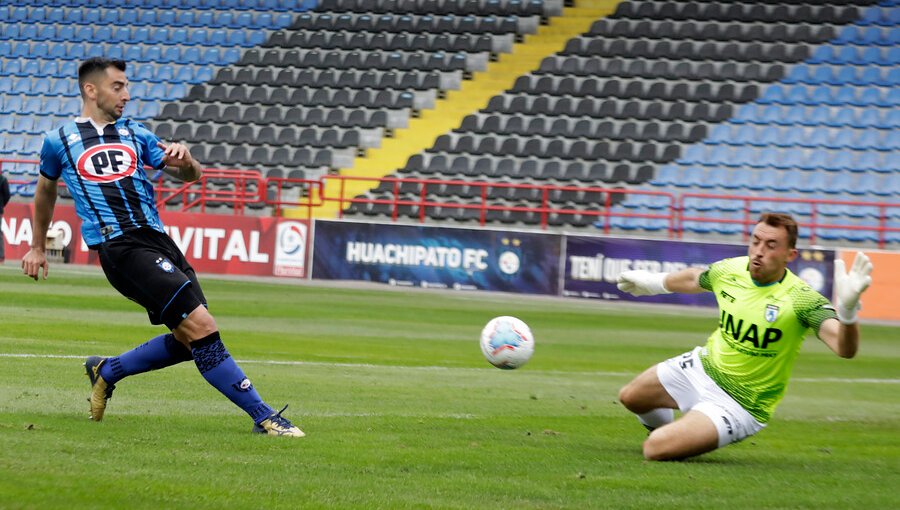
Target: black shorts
(148,268)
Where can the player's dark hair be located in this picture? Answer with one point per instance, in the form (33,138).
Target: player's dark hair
(95,65)
(784,221)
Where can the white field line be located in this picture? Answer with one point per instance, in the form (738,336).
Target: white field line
(865,380)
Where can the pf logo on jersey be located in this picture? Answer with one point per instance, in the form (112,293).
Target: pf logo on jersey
(108,162)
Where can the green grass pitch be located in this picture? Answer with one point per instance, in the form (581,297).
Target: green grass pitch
(402,411)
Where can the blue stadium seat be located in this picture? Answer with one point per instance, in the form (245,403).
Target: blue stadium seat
(65,88)
(144,72)
(19,14)
(189,55)
(185,74)
(893,37)
(828,75)
(32,105)
(164,73)
(801,73)
(179,36)
(133,54)
(165,18)
(13,145)
(667,175)
(151,54)
(75,52)
(824,54)
(121,34)
(51,105)
(6,84)
(203,74)
(95,50)
(10,32)
(236,38)
(42,124)
(71,106)
(891,119)
(693,154)
(720,134)
(90,17)
(11,67)
(110,17)
(140,35)
(68,69)
(11,104)
(868,76)
(176,91)
(148,110)
(848,35)
(156,91)
(217,37)
(697,227)
(774,94)
(784,137)
(49,68)
(37,14)
(198,37)
(6,123)
(138,90)
(203,19)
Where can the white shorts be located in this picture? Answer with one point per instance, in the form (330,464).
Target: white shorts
(685,380)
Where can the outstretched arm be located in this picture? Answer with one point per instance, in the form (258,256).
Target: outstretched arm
(645,283)
(841,338)
(44,203)
(842,335)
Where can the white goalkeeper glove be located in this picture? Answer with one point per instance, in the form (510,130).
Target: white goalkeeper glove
(849,285)
(643,283)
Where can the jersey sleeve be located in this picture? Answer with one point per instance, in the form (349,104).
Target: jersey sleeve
(151,154)
(709,277)
(812,308)
(51,166)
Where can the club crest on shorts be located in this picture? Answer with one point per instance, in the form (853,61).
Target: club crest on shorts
(165,265)
(771,313)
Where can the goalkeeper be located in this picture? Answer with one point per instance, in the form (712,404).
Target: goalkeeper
(728,389)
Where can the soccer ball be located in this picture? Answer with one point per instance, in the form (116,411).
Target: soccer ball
(507,342)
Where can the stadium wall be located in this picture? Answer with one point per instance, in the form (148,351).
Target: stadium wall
(246,245)
(507,260)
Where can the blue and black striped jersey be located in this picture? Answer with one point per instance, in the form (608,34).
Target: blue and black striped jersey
(103,167)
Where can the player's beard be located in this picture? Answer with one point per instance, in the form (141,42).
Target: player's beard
(112,111)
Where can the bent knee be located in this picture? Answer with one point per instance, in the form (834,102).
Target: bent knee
(675,442)
(656,449)
(626,395)
(199,324)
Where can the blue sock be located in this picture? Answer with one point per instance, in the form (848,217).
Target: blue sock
(156,353)
(223,373)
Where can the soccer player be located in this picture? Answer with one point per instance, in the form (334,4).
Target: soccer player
(101,157)
(728,389)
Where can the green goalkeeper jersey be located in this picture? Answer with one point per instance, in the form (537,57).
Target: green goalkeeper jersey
(761,328)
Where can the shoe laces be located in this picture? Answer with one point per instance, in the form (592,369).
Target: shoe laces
(281,421)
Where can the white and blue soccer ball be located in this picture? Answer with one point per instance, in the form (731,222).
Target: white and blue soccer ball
(507,342)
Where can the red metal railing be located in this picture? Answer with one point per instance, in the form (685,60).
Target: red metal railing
(810,220)
(240,189)
(248,189)
(483,203)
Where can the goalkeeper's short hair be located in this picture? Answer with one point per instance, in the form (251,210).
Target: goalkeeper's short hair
(783,220)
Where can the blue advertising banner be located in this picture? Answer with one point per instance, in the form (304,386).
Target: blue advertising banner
(593,265)
(437,257)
